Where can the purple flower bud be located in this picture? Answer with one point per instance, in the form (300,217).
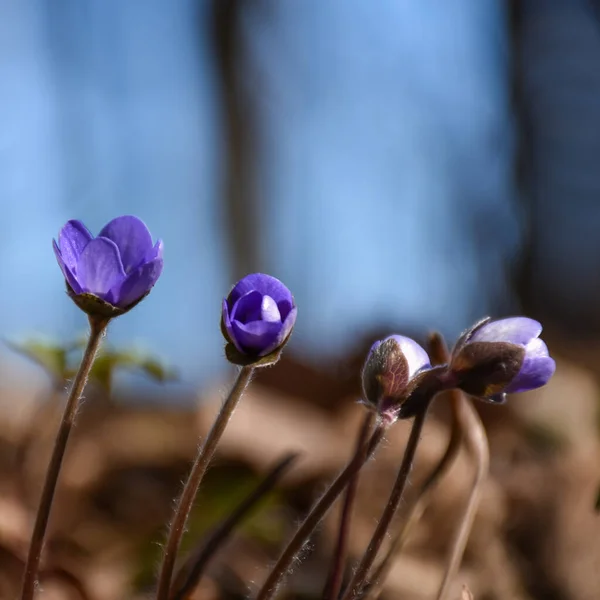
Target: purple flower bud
(108,274)
(500,357)
(389,367)
(257,318)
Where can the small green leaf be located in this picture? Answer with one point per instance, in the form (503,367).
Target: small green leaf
(132,360)
(51,356)
(158,371)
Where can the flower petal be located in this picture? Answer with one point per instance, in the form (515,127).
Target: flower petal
(265,284)
(138,283)
(286,329)
(227,324)
(247,308)
(72,239)
(415,355)
(256,337)
(516,330)
(269,310)
(99,268)
(155,252)
(538,367)
(66,271)
(132,238)
(285,306)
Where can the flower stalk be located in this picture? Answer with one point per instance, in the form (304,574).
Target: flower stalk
(315,516)
(97,329)
(477,446)
(191,572)
(360,575)
(336,573)
(475,439)
(417,508)
(188,495)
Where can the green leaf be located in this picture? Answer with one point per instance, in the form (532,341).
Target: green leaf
(110,360)
(61,361)
(51,356)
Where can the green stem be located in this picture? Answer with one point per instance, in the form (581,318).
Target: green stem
(188,495)
(358,580)
(97,329)
(315,516)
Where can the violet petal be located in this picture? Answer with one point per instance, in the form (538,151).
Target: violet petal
(72,239)
(538,367)
(132,238)
(227,323)
(265,284)
(269,311)
(285,306)
(155,252)
(516,330)
(415,355)
(99,268)
(258,337)
(138,283)
(247,308)
(284,332)
(66,271)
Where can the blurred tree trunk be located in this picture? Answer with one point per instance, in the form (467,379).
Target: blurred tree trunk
(557,92)
(239,185)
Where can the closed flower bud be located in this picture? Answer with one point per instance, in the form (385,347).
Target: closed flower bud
(257,319)
(109,274)
(388,370)
(502,357)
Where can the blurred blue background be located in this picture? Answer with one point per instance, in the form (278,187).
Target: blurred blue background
(366,153)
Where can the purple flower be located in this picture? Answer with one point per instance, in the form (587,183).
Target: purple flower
(119,267)
(502,357)
(258,315)
(389,368)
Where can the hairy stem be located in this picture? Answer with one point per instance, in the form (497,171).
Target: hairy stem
(336,573)
(193,569)
(358,580)
(477,446)
(188,495)
(315,516)
(421,501)
(97,329)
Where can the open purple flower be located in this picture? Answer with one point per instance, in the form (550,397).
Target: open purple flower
(112,272)
(389,368)
(258,316)
(502,357)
